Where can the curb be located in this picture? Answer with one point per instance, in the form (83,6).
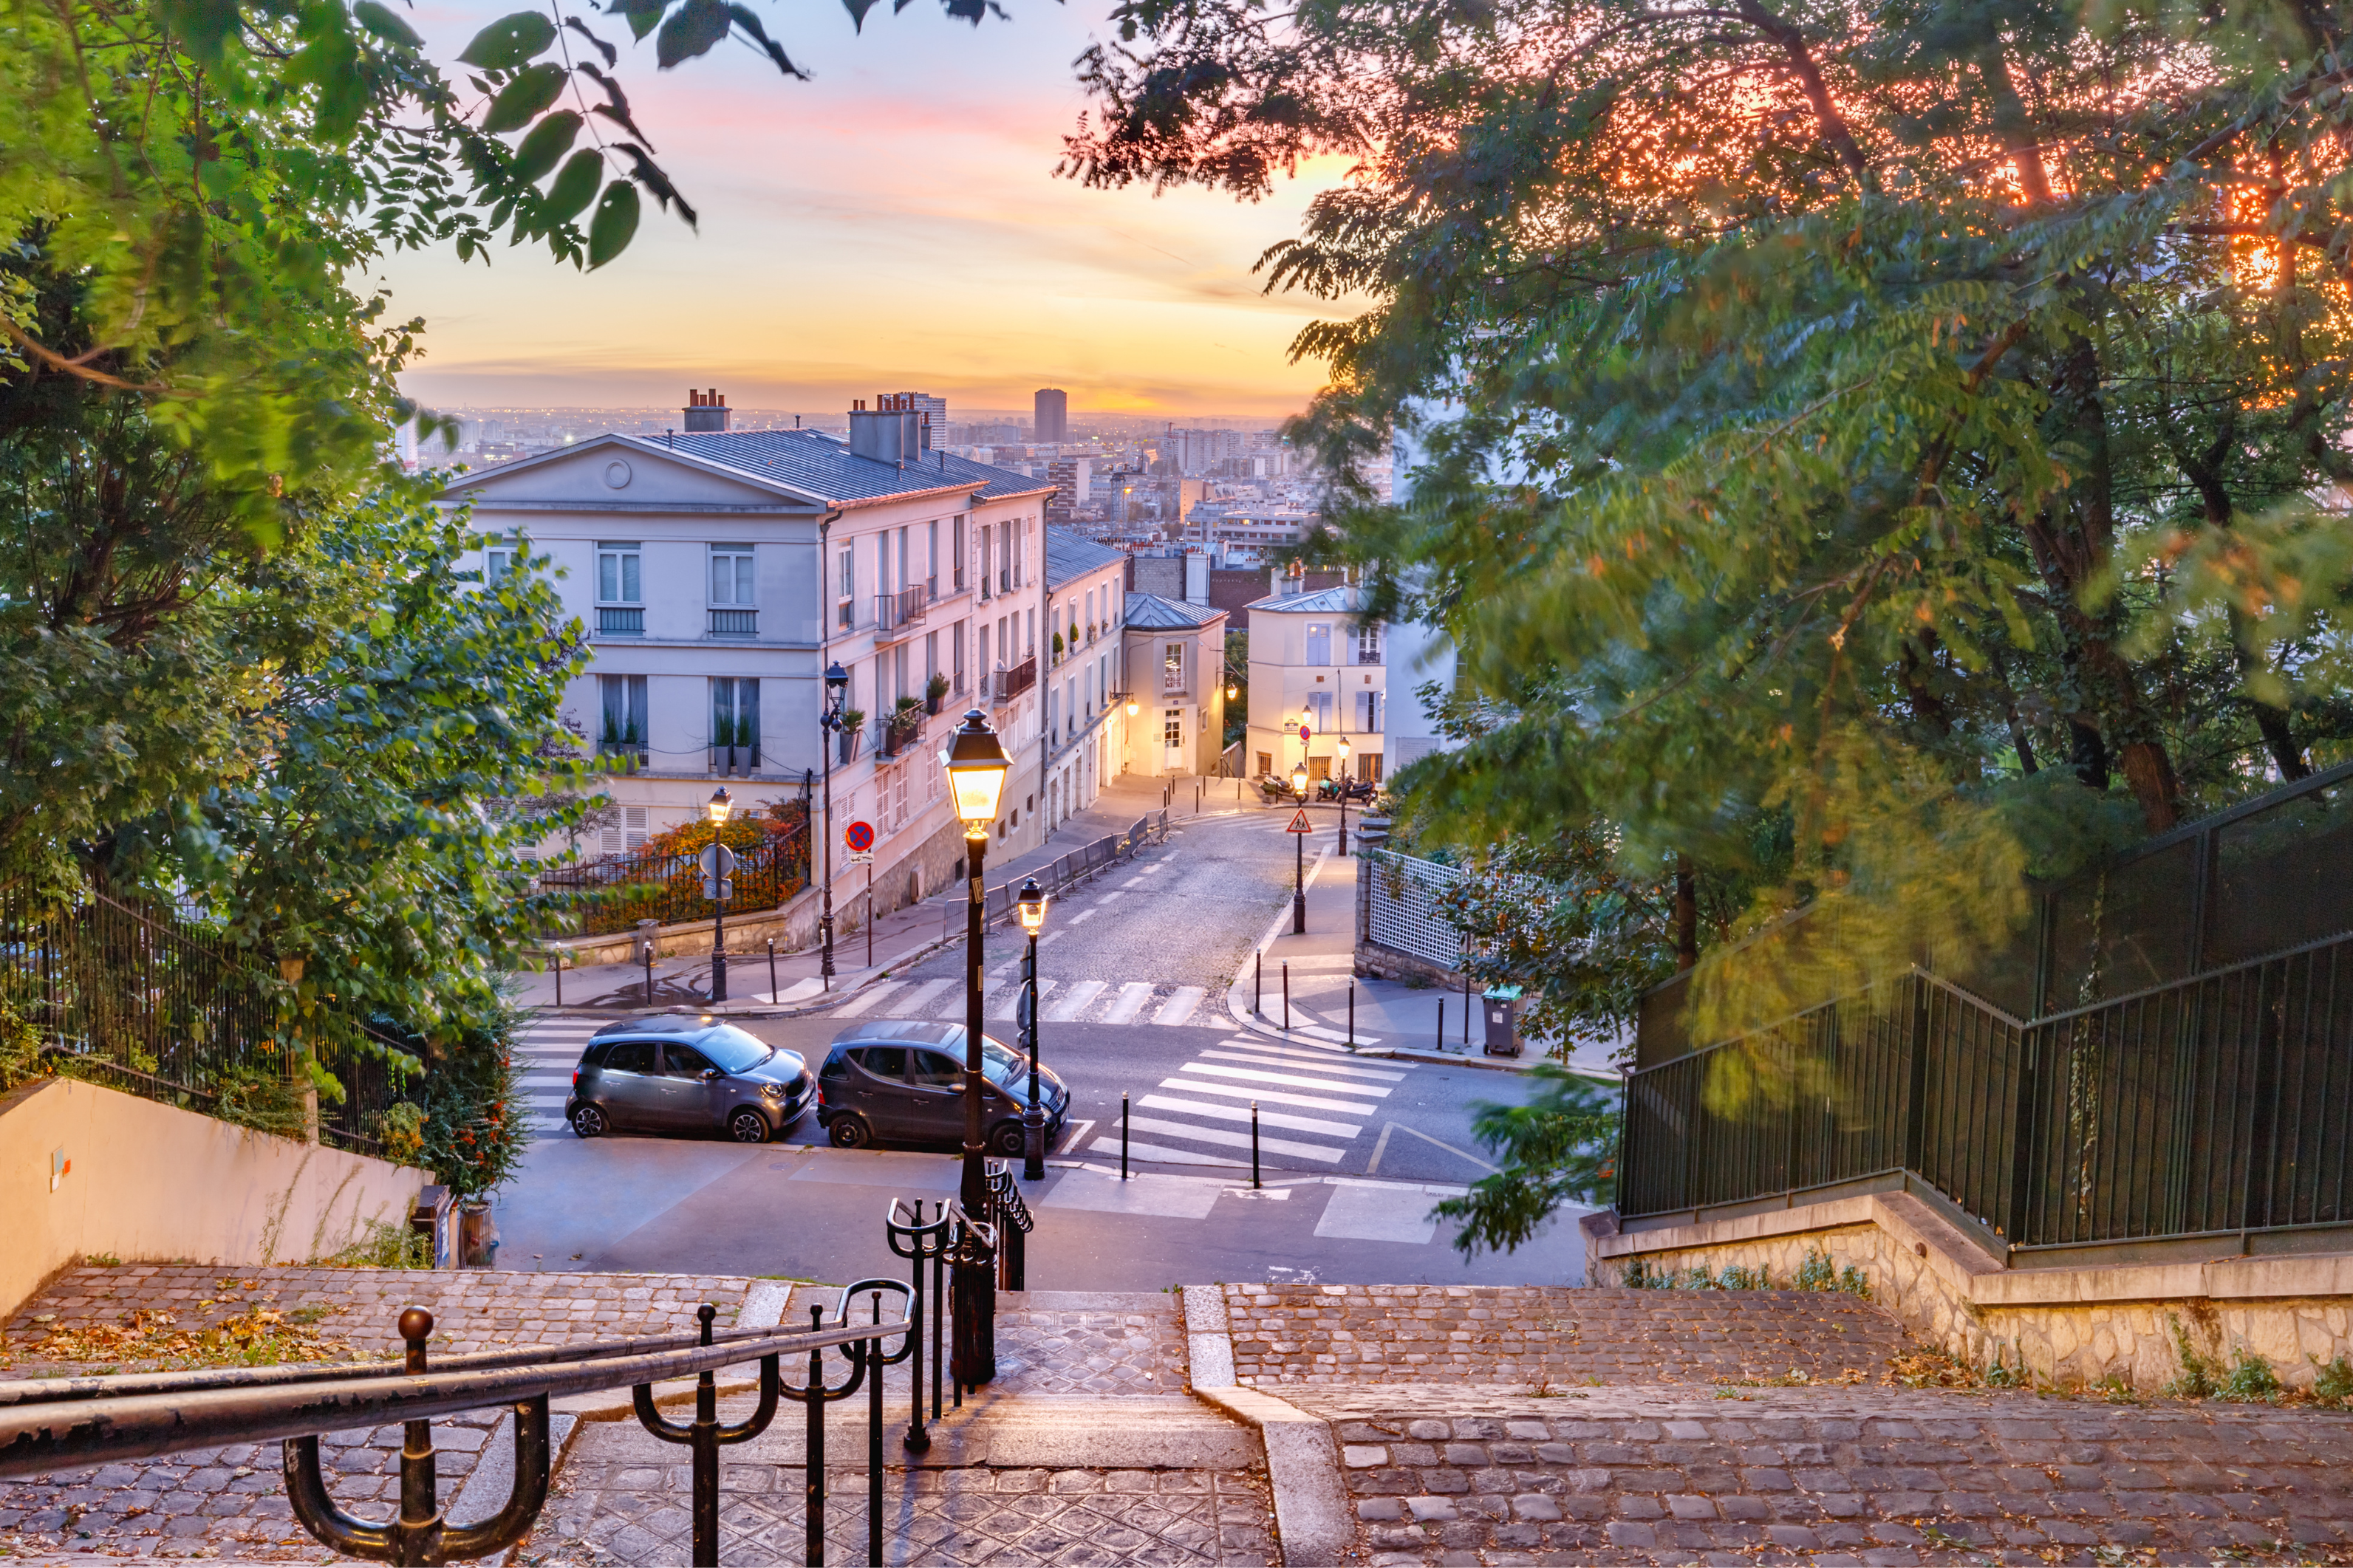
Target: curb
(1312,1515)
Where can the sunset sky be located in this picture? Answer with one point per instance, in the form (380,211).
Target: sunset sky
(894,224)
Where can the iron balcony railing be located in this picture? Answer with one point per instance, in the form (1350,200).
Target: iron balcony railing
(618,621)
(1012,682)
(895,613)
(2217,1106)
(899,734)
(734,623)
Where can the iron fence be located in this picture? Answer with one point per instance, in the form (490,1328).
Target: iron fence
(136,1000)
(2221,1104)
(1080,866)
(613,892)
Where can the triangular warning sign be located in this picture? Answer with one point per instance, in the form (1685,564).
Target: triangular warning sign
(1299,823)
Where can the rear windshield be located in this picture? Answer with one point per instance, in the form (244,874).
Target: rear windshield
(733,1049)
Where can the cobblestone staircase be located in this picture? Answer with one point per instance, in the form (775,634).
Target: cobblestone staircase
(1255,1424)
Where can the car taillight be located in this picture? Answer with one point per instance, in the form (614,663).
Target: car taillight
(576,1077)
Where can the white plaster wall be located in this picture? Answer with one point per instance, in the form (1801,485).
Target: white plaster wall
(151,1181)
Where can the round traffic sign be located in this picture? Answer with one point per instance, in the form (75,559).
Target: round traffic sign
(859,835)
(1306,733)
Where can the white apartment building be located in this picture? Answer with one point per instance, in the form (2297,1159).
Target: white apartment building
(1314,659)
(719,573)
(1175,653)
(1086,725)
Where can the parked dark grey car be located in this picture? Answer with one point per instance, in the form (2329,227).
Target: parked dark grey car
(902,1081)
(673,1073)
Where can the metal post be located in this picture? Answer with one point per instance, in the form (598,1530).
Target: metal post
(1466,1012)
(825,723)
(1351,1014)
(1344,820)
(1123,1134)
(1033,1119)
(813,1471)
(1441,1026)
(559,980)
(974,1359)
(1254,1182)
(1299,882)
(870,917)
(1286,996)
(1257,979)
(719,943)
(649,974)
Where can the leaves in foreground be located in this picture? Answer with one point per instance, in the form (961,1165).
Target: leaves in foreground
(1558,1148)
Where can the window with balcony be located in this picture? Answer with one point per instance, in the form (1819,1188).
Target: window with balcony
(1172,668)
(734,724)
(732,596)
(1368,643)
(1368,712)
(620,591)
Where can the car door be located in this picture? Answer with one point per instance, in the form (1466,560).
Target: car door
(629,1084)
(936,1096)
(687,1101)
(878,1089)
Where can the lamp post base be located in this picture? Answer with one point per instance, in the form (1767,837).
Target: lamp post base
(972,1351)
(718,976)
(1299,912)
(1033,1143)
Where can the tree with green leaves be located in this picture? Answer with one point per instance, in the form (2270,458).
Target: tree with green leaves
(1560,1147)
(1864,455)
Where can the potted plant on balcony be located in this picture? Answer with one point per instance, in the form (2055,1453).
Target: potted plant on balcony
(935,691)
(1058,648)
(853,727)
(905,726)
(623,743)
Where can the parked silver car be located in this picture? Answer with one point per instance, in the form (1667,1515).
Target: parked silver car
(902,1081)
(673,1073)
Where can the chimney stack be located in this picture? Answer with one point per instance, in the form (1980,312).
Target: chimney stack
(706,411)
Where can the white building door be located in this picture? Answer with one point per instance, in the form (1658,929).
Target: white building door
(1172,741)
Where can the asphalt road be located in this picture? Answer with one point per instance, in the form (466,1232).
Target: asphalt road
(1354,1151)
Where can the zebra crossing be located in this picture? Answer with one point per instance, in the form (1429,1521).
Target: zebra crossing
(1058,1001)
(1311,1104)
(545,1054)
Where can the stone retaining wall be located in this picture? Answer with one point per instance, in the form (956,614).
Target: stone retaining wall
(2066,1326)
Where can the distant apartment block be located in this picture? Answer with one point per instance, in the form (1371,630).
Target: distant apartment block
(1050,424)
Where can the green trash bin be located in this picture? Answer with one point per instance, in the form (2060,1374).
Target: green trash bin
(1503,1020)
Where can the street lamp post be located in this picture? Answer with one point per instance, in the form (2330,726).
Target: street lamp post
(1342,749)
(829,722)
(718,887)
(1299,847)
(977,765)
(1032,902)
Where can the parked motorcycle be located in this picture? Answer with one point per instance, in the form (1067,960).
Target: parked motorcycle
(1348,790)
(1277,788)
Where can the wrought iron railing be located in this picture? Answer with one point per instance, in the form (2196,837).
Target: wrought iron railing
(896,612)
(2218,1105)
(613,621)
(899,733)
(1080,866)
(51,1425)
(1012,682)
(734,623)
(613,892)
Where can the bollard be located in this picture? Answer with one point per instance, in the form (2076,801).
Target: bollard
(1441,1023)
(559,980)
(1466,1012)
(1286,996)
(1122,1135)
(1258,981)
(649,974)
(1351,1014)
(1254,1182)
(772,968)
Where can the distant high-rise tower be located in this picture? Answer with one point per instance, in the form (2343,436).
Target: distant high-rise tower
(1053,424)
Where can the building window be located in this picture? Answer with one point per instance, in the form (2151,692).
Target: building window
(620,604)
(1319,703)
(1265,763)
(731,575)
(1172,728)
(735,718)
(1172,668)
(957,637)
(1368,712)
(955,558)
(498,564)
(931,560)
(987,536)
(1368,643)
(845,589)
(1319,644)
(622,731)
(625,831)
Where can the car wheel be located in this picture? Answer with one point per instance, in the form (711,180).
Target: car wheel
(849,1132)
(1008,1139)
(748,1126)
(588,1122)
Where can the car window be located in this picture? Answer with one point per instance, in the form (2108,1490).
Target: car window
(685,1061)
(883,1061)
(935,1069)
(1001,1066)
(730,1047)
(630,1055)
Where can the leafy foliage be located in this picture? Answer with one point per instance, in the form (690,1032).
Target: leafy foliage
(1558,1148)
(1855,452)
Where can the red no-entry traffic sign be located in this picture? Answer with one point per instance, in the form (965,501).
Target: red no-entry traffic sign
(859,835)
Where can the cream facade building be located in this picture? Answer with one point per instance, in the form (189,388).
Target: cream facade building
(1314,659)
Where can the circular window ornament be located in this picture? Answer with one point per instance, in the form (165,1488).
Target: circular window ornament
(617,475)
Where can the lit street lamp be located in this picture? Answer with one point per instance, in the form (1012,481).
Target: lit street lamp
(1298,844)
(717,868)
(829,722)
(1031,903)
(976,764)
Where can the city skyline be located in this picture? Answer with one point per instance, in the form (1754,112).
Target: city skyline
(893,222)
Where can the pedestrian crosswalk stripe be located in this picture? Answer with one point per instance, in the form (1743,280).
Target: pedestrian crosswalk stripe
(1066,1007)
(1160,1154)
(1006,1005)
(916,1000)
(865,1003)
(1325,1066)
(1179,1005)
(1237,1140)
(1253,1075)
(1129,1003)
(1272,1096)
(1241,1113)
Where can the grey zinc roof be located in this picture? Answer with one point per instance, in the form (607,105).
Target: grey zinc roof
(824,465)
(1152,613)
(1069,554)
(1323,602)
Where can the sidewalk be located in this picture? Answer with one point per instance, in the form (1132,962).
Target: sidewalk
(1391,1018)
(897,939)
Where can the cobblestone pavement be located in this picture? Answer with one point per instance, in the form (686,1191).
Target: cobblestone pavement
(230,1502)
(1459,1474)
(1287,1335)
(1061,1351)
(623,1498)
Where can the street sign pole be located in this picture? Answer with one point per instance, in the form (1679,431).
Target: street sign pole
(1298,829)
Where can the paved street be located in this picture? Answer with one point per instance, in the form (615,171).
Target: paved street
(1133,974)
